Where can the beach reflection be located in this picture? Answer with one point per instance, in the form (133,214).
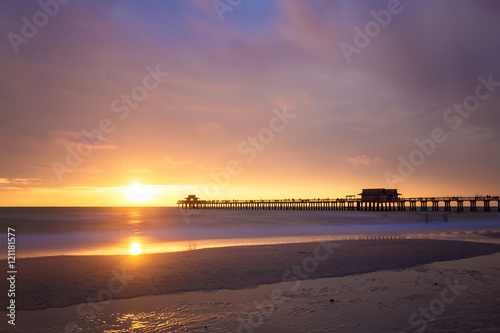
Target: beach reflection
(135,221)
(152,321)
(135,218)
(146,247)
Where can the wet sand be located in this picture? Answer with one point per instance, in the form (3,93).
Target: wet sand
(493,234)
(62,281)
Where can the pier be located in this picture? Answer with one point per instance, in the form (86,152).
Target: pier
(351,203)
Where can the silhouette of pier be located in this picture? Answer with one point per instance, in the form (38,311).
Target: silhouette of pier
(349,203)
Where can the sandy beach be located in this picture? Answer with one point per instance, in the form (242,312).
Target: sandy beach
(54,282)
(61,281)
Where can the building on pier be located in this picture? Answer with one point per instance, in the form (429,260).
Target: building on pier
(379,195)
(192,198)
(192,201)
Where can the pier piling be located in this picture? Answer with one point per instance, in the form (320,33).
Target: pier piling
(341,204)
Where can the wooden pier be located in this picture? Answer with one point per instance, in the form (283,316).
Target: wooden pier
(349,203)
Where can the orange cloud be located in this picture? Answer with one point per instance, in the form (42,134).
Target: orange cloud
(68,138)
(19,181)
(363,159)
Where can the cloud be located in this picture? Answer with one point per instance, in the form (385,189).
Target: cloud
(363,159)
(68,138)
(19,181)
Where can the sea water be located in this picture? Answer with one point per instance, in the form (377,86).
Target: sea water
(49,231)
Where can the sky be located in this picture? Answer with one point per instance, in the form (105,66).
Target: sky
(144,102)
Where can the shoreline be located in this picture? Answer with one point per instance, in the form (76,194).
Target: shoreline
(193,245)
(61,281)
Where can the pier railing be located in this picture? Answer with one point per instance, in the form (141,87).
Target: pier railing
(359,204)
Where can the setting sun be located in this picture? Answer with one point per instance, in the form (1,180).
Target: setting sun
(140,193)
(135,249)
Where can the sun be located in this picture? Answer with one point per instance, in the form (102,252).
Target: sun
(135,249)
(140,193)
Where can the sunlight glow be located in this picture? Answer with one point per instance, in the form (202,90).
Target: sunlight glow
(141,193)
(135,249)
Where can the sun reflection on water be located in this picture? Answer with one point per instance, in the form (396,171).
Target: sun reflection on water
(135,217)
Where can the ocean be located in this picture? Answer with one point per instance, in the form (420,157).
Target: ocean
(49,231)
